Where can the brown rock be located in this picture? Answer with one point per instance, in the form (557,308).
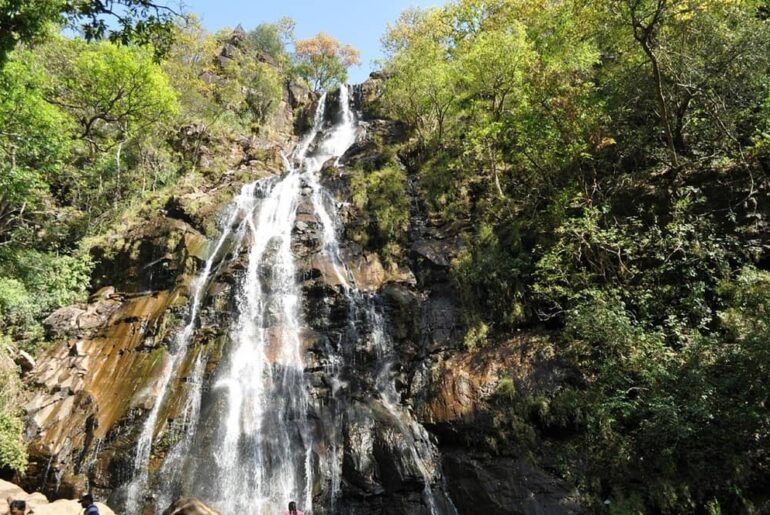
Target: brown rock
(463,383)
(39,505)
(189,506)
(25,361)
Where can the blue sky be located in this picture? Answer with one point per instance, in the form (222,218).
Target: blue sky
(359,23)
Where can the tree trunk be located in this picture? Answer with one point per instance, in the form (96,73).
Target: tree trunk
(662,105)
(644,35)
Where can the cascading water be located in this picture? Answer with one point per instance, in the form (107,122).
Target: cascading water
(178,352)
(249,444)
(416,436)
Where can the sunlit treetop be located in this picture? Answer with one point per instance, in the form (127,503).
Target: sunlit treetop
(323,61)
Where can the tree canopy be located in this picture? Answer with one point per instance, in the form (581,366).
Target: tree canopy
(139,21)
(601,163)
(323,61)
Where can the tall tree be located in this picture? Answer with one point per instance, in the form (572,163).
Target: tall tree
(32,140)
(113,92)
(323,61)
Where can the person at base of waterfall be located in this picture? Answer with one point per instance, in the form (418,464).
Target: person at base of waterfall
(17,507)
(293,509)
(87,502)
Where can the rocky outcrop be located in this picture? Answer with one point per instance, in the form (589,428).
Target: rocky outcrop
(38,503)
(463,384)
(84,386)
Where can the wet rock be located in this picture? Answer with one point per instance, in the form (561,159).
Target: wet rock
(358,465)
(189,506)
(483,484)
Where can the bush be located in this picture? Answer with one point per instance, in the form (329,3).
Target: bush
(13,452)
(35,283)
(382,194)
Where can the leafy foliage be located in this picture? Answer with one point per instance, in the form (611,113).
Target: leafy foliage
(112,91)
(382,195)
(272,39)
(124,21)
(323,61)
(603,163)
(13,453)
(32,141)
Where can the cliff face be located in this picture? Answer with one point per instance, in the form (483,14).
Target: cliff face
(95,388)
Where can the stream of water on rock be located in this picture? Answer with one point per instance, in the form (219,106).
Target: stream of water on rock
(257,448)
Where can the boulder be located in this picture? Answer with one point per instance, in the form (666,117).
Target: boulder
(71,320)
(63,321)
(39,504)
(189,506)
(25,361)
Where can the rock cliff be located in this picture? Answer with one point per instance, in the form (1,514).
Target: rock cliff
(94,388)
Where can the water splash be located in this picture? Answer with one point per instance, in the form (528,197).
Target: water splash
(416,437)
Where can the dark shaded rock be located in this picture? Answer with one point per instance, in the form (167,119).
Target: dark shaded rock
(367,95)
(441,319)
(370,151)
(358,465)
(175,209)
(403,306)
(483,484)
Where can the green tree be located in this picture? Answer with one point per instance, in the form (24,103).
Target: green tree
(273,39)
(114,93)
(323,61)
(139,21)
(423,89)
(33,140)
(707,71)
(189,62)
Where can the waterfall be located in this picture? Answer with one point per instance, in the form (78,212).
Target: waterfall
(255,440)
(178,351)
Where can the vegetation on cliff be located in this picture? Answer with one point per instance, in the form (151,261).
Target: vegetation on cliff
(606,163)
(94,129)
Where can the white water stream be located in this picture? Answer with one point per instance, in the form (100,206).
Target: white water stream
(259,443)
